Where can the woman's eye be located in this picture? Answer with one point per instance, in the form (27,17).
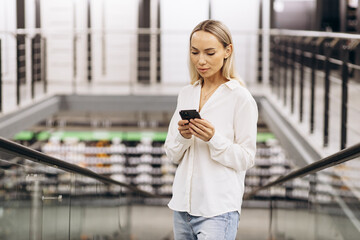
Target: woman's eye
(194,53)
(210,54)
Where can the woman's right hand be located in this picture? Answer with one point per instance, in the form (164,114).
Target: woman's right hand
(184,129)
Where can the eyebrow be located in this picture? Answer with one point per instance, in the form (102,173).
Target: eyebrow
(205,49)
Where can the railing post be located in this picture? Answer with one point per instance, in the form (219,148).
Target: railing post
(44,64)
(89,43)
(327,49)
(33,62)
(278,74)
(272,63)
(344,96)
(285,54)
(293,63)
(17,72)
(302,62)
(36,48)
(20,64)
(275,63)
(259,59)
(314,50)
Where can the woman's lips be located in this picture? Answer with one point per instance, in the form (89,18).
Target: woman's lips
(202,70)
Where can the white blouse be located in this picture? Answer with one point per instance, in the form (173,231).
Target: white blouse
(209,180)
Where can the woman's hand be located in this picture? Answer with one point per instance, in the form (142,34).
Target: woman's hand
(202,129)
(184,129)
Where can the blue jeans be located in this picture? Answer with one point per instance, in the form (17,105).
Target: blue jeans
(221,227)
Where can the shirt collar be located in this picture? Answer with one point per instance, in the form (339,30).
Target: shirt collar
(232,84)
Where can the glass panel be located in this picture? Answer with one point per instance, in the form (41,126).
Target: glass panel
(15,202)
(32,207)
(97,210)
(324,205)
(42,202)
(337,201)
(292,216)
(56,204)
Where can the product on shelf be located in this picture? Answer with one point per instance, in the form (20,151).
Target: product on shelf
(139,158)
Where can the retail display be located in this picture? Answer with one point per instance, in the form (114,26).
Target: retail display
(138,158)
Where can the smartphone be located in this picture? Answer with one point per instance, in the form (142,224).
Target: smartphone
(189,114)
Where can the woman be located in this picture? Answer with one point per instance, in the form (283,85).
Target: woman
(215,151)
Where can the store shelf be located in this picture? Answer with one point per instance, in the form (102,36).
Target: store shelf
(139,159)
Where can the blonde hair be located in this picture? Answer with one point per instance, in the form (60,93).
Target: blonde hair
(222,33)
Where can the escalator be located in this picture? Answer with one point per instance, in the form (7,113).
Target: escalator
(44,197)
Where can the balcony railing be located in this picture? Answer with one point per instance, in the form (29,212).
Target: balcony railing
(315,76)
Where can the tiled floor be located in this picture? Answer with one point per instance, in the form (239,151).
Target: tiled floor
(155,223)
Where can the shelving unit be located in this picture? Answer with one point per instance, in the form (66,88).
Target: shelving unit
(137,158)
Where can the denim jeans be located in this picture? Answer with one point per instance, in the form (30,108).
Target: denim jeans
(221,227)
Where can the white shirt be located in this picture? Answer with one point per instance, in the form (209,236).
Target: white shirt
(209,180)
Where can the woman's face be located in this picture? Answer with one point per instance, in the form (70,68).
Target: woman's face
(207,54)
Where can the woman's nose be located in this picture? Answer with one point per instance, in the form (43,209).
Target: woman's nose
(202,60)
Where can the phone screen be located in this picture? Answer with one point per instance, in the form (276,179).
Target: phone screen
(189,114)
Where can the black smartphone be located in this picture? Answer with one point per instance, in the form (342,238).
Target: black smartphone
(189,114)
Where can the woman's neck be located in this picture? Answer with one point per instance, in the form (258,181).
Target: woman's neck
(213,81)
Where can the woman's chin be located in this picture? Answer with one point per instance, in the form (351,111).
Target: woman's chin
(202,74)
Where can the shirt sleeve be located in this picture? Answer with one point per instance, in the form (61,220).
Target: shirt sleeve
(240,153)
(175,144)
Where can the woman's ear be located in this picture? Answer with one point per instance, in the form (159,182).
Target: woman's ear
(228,50)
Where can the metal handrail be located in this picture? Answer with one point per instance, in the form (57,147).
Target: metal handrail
(330,161)
(297,33)
(280,32)
(36,156)
(70,31)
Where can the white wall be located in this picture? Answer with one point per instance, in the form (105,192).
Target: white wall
(8,23)
(242,18)
(30,14)
(181,16)
(59,20)
(81,41)
(116,60)
(57,23)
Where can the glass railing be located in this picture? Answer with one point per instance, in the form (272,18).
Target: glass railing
(44,200)
(319,201)
(324,205)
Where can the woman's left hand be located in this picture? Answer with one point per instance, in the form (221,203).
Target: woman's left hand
(202,129)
